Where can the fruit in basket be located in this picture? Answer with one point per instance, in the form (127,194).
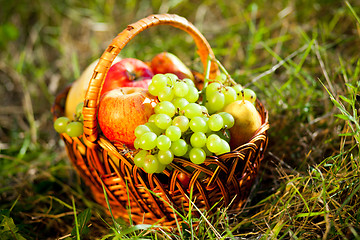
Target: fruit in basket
(129,72)
(60,124)
(74,129)
(166,62)
(183,127)
(121,110)
(78,89)
(184,179)
(71,128)
(249,95)
(247,121)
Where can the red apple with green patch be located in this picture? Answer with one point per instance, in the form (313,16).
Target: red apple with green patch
(128,72)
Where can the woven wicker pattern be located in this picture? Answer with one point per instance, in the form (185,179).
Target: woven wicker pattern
(223,180)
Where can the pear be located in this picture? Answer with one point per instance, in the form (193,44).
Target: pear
(247,122)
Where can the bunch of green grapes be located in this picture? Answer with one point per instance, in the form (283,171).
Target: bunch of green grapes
(179,127)
(71,128)
(218,95)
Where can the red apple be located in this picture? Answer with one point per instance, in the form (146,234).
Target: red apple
(121,110)
(78,89)
(166,62)
(129,72)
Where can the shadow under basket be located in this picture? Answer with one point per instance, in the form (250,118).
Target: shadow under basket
(221,181)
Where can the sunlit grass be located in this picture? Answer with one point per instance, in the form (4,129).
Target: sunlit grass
(301,58)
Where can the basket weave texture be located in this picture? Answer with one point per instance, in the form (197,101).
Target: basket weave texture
(224,180)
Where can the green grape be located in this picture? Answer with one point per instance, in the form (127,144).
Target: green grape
(173,133)
(229,120)
(212,87)
(165,107)
(78,112)
(197,155)
(192,110)
(155,129)
(162,120)
(60,124)
(192,95)
(159,81)
(238,88)
(137,143)
(224,147)
(163,142)
(181,122)
(166,94)
(151,164)
(152,118)
(249,95)
(229,94)
(198,139)
(139,158)
(198,124)
(165,156)
(179,147)
(171,78)
(189,82)
(179,104)
(220,78)
(204,111)
(153,90)
(206,119)
(141,129)
(180,89)
(213,143)
(74,129)
(215,122)
(215,101)
(148,141)
(160,168)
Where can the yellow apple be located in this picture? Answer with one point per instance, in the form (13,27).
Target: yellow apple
(247,122)
(78,89)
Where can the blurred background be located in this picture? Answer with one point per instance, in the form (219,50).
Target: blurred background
(282,49)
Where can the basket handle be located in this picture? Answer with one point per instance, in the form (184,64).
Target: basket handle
(119,42)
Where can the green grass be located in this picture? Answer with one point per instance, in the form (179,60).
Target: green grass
(301,58)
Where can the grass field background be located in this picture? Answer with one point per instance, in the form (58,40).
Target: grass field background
(301,58)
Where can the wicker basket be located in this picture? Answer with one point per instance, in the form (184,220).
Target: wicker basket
(224,180)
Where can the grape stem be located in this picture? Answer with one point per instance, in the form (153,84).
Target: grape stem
(207,73)
(222,68)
